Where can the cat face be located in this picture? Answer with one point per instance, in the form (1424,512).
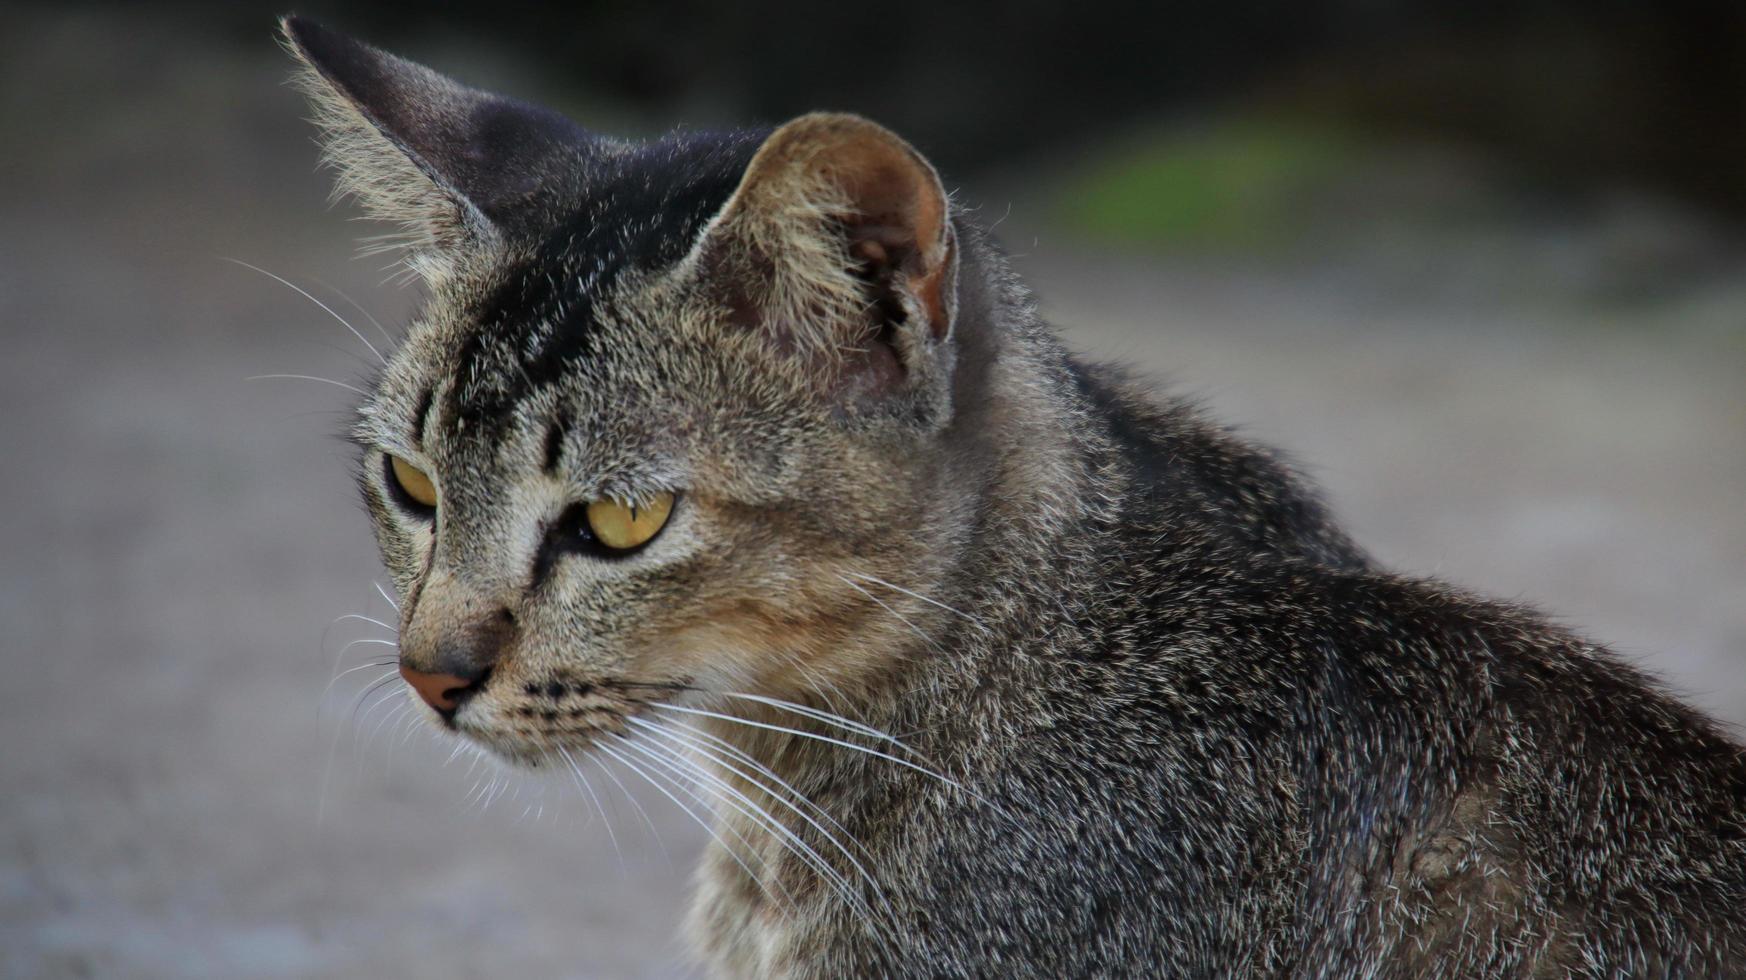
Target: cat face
(669,426)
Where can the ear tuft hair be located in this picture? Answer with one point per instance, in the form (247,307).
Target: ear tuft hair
(383,175)
(458,170)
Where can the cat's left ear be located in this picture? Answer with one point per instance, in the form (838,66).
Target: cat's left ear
(460,170)
(838,243)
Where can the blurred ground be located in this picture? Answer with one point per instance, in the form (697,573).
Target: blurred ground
(1541,401)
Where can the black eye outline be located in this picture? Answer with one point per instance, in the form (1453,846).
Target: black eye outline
(398,494)
(573,525)
(571,534)
(664,510)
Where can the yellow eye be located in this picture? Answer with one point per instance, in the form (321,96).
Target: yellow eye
(621,528)
(413,481)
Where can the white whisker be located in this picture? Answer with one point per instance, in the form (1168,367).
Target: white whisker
(834,720)
(332,754)
(305,294)
(359,616)
(404,726)
(386,337)
(760,817)
(812,735)
(582,781)
(813,680)
(507,784)
(374,687)
(829,837)
(689,779)
(409,729)
(637,806)
(917,595)
(476,795)
(308,377)
(391,691)
(340,656)
(725,746)
(917,630)
(384,694)
(393,715)
(349,670)
(708,828)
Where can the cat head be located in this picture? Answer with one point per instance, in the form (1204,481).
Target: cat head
(670,424)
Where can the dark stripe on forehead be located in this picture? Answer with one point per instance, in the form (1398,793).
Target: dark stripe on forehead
(421,416)
(555,441)
(644,212)
(490,361)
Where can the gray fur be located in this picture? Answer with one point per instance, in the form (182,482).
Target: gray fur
(1186,727)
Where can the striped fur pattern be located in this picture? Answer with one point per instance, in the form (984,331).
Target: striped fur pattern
(987,661)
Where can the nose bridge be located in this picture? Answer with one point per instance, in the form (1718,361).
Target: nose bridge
(451,641)
(487,541)
(455,627)
(492,516)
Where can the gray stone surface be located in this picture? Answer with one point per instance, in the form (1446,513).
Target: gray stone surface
(178,795)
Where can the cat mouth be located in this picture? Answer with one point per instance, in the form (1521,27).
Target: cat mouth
(540,741)
(535,721)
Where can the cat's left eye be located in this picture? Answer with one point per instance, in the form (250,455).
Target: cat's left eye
(413,483)
(622,527)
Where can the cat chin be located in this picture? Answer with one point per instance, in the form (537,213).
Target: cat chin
(521,754)
(517,756)
(522,759)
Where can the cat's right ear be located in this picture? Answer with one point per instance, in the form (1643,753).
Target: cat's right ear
(459,170)
(838,243)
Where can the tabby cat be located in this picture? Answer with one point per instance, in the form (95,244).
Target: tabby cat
(744,460)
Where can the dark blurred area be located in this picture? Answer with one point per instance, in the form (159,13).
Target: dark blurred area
(1480,266)
(1573,91)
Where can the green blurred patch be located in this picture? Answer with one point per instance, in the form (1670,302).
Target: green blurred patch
(1238,185)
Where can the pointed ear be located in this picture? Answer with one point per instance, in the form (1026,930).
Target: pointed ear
(457,169)
(839,241)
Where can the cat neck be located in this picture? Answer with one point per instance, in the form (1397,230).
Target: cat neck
(1036,485)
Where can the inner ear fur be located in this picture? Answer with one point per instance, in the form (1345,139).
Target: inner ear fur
(839,232)
(458,169)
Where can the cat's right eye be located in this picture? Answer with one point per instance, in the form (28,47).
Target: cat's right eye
(412,484)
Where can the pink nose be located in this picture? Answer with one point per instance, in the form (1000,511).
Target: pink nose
(455,663)
(441,691)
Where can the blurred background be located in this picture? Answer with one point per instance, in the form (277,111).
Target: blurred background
(1480,266)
